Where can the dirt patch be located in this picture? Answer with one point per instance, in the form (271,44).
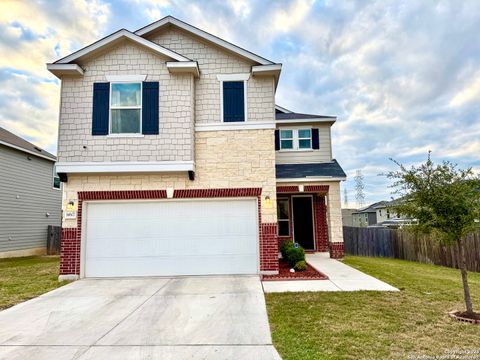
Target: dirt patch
(466,317)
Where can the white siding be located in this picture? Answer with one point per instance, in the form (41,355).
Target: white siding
(324,154)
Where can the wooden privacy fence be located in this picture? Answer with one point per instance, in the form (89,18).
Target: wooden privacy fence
(406,245)
(53,240)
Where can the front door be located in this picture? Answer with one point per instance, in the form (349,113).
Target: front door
(303,221)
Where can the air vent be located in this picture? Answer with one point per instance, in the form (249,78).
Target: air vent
(38,149)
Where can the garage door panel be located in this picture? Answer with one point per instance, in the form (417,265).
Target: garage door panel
(171,238)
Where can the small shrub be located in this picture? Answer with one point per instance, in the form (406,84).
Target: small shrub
(300,266)
(294,255)
(287,244)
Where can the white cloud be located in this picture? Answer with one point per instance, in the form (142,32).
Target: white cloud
(470,93)
(33,34)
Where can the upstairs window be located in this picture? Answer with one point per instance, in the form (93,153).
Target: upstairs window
(56,179)
(304,139)
(126,108)
(286,139)
(233,101)
(296,139)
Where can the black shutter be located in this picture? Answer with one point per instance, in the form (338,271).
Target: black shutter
(277,139)
(233,101)
(150,111)
(315,141)
(101,104)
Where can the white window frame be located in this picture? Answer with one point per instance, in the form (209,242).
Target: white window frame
(287,220)
(55,175)
(296,139)
(234,78)
(287,139)
(110,108)
(304,138)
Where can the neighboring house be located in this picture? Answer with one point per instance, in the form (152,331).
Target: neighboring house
(30,196)
(174,158)
(379,213)
(366,216)
(347,217)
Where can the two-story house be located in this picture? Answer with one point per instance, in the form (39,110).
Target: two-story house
(176,161)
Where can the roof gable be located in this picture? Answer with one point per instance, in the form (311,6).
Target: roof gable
(171,21)
(114,38)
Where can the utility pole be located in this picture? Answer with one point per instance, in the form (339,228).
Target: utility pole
(359,186)
(345,197)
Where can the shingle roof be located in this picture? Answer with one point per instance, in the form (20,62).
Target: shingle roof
(298,171)
(290,116)
(9,139)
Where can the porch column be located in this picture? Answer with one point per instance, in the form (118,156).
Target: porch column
(334,216)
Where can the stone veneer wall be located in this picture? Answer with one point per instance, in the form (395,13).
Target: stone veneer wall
(176,115)
(225,160)
(212,60)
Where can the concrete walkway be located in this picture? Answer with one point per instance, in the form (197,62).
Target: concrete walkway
(142,318)
(341,277)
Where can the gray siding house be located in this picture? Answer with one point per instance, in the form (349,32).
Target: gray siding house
(30,196)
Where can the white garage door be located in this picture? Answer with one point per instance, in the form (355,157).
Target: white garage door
(162,238)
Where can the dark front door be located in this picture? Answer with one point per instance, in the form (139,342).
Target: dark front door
(303,221)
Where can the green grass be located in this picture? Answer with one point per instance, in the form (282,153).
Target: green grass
(376,325)
(25,278)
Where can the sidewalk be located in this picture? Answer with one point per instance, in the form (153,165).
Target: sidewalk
(341,277)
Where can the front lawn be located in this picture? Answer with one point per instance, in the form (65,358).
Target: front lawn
(25,278)
(376,325)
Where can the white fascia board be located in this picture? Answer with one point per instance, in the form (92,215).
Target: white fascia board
(273,69)
(282,109)
(125,78)
(312,179)
(183,67)
(235,126)
(233,77)
(26,151)
(115,36)
(204,35)
(127,167)
(65,69)
(314,120)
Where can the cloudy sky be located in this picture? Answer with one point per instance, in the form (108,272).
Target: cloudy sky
(403,77)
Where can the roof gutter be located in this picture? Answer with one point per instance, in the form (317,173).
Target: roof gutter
(312,179)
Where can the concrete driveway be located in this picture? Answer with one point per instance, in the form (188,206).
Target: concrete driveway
(143,318)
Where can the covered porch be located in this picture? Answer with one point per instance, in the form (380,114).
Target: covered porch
(309,206)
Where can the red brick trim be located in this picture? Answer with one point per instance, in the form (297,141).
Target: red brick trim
(337,250)
(316,188)
(70,242)
(122,195)
(268,247)
(215,193)
(321,225)
(287,189)
(70,248)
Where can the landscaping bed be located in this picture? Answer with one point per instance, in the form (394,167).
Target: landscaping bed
(284,273)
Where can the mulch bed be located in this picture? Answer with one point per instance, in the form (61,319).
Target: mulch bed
(464,316)
(285,274)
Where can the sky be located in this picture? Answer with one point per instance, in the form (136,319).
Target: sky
(402,77)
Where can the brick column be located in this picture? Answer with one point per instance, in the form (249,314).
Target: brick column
(321,225)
